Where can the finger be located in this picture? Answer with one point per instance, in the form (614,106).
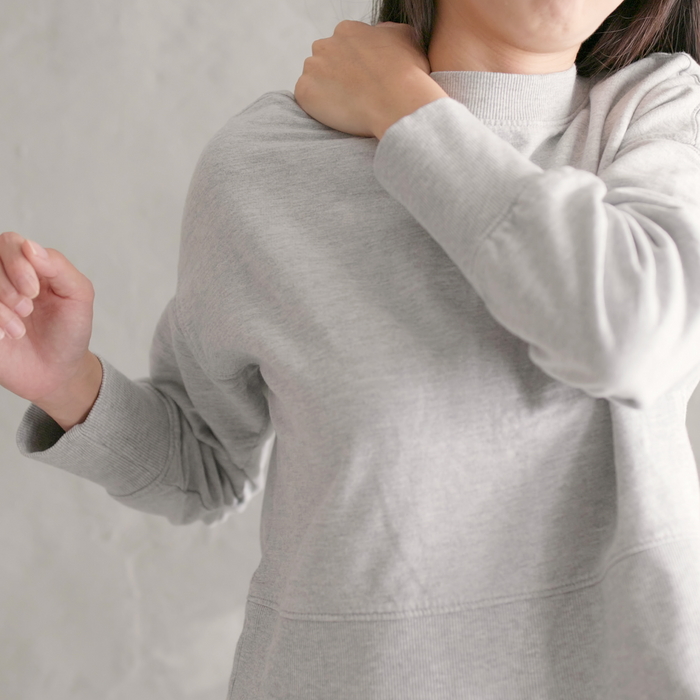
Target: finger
(18,278)
(10,324)
(13,305)
(63,277)
(11,298)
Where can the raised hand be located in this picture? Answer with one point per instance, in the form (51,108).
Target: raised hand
(46,308)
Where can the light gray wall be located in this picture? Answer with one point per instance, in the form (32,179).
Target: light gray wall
(104,110)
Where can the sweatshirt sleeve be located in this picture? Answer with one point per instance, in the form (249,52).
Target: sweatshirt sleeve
(598,273)
(177,444)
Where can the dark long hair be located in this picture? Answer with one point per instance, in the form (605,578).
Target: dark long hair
(632,31)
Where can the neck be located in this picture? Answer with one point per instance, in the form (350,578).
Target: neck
(456,45)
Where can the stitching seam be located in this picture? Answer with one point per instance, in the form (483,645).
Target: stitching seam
(587,582)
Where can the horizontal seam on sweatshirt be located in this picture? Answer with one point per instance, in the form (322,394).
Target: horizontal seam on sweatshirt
(588,582)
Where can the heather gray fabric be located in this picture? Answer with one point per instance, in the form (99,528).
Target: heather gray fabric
(459,360)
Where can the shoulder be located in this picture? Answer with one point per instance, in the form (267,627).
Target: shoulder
(270,114)
(241,150)
(265,120)
(267,139)
(274,121)
(658,96)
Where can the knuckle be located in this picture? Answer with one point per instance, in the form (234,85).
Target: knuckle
(300,94)
(308,69)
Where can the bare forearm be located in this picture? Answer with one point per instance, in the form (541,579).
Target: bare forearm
(74,404)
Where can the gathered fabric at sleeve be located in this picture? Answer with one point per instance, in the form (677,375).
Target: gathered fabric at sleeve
(598,272)
(152,448)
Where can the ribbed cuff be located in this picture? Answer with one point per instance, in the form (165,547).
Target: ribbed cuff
(124,443)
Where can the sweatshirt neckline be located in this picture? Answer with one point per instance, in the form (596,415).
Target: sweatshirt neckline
(515,96)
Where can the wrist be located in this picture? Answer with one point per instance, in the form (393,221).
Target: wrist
(416,90)
(73,403)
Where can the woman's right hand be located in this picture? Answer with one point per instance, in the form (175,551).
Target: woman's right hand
(56,325)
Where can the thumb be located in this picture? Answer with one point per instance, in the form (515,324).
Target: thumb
(64,279)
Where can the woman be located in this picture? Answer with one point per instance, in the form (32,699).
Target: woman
(458,354)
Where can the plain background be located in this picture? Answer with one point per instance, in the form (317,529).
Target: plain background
(105,107)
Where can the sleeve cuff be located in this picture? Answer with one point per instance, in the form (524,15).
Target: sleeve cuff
(123,445)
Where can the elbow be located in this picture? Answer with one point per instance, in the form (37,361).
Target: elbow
(626,383)
(638,400)
(611,376)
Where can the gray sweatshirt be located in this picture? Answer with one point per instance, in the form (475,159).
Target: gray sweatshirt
(459,361)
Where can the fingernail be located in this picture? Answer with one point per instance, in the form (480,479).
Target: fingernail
(38,250)
(24,308)
(15,329)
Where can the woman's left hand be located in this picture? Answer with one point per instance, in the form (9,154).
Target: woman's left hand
(364,78)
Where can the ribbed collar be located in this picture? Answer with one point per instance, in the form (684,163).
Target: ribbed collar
(516,96)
